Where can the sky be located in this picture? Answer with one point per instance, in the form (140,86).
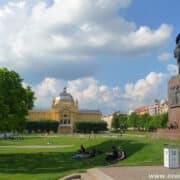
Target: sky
(112,55)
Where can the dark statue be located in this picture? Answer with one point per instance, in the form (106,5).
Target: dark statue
(177,52)
(174,96)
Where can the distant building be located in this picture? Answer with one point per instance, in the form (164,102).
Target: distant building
(164,106)
(108,118)
(64,109)
(156,108)
(142,110)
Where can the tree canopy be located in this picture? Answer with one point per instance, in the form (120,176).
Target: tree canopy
(139,122)
(15,101)
(119,122)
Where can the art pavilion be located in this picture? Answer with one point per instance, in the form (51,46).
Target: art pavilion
(64,109)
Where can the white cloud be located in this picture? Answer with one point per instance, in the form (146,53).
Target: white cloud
(47,90)
(145,90)
(39,37)
(93,95)
(172,69)
(165,56)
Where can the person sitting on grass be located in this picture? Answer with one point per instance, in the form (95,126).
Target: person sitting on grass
(82,150)
(116,155)
(80,153)
(113,155)
(121,154)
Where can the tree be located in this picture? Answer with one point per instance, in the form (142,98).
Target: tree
(163,120)
(122,122)
(159,121)
(3,115)
(15,101)
(153,123)
(30,97)
(133,120)
(115,122)
(145,119)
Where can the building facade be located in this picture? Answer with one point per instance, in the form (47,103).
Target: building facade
(156,108)
(174,101)
(164,107)
(64,109)
(108,118)
(142,110)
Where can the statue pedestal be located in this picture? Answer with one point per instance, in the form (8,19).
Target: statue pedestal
(174,102)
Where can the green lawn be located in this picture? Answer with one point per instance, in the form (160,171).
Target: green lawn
(54,163)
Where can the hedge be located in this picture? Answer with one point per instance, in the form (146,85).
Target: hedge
(89,126)
(41,125)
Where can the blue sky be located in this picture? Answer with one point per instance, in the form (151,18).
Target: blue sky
(111,54)
(152,14)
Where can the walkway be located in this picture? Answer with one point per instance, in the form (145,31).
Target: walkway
(132,173)
(36,147)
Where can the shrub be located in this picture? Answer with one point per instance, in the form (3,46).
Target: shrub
(41,125)
(89,126)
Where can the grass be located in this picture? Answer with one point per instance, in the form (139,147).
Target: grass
(55,163)
(137,132)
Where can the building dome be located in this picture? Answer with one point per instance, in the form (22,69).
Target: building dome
(64,96)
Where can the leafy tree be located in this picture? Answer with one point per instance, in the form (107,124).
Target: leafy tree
(153,123)
(15,100)
(3,115)
(145,119)
(147,122)
(30,97)
(115,122)
(122,121)
(133,120)
(159,121)
(163,120)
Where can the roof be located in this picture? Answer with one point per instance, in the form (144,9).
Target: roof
(89,111)
(141,109)
(120,113)
(64,96)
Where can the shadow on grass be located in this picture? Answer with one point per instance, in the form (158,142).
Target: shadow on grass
(61,162)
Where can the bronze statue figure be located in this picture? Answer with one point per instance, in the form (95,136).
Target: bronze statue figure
(177,52)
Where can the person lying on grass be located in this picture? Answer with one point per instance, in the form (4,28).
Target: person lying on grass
(82,153)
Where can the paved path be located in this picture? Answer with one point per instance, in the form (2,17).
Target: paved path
(36,146)
(140,173)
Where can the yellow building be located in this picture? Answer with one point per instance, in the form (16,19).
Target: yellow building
(64,109)
(108,119)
